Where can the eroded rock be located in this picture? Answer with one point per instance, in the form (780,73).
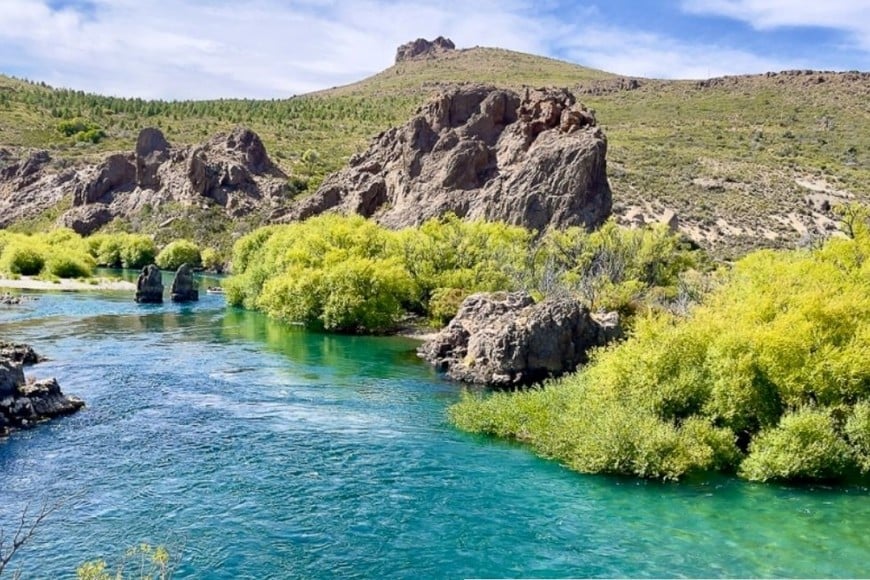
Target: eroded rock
(505,340)
(535,160)
(422,48)
(149,286)
(184,287)
(23,403)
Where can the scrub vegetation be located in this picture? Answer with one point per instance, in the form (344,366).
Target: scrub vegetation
(349,274)
(768,377)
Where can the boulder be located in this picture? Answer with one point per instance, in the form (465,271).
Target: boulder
(184,287)
(505,340)
(24,403)
(149,286)
(20,353)
(535,160)
(86,219)
(422,48)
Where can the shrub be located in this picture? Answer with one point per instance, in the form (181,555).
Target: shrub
(177,253)
(211,260)
(444,304)
(23,258)
(137,251)
(804,445)
(858,433)
(765,361)
(70,264)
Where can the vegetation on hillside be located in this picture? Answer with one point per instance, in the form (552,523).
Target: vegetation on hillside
(733,157)
(349,274)
(769,377)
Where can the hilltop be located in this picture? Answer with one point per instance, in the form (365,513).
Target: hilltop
(736,162)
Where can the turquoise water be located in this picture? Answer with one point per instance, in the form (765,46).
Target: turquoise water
(257,450)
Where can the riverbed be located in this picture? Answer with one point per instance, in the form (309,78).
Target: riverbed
(253,449)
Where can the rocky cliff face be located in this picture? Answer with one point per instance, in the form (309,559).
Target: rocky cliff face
(231,170)
(422,48)
(536,160)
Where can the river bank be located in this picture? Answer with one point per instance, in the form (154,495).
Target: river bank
(67,285)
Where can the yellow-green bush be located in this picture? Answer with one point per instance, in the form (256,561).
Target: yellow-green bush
(121,250)
(23,258)
(60,253)
(762,364)
(177,253)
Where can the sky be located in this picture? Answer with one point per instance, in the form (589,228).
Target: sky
(198,49)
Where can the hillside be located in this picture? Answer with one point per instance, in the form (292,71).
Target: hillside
(741,161)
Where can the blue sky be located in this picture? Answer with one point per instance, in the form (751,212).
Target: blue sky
(178,49)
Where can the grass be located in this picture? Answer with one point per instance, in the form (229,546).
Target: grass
(725,155)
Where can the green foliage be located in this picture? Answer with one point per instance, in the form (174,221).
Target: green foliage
(177,253)
(444,304)
(64,263)
(122,250)
(21,258)
(81,130)
(612,268)
(143,562)
(774,359)
(805,445)
(211,260)
(858,434)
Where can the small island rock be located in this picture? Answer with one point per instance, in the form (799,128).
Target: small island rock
(23,403)
(149,286)
(184,287)
(505,340)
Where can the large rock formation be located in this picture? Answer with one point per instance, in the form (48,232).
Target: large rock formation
(184,287)
(422,48)
(536,160)
(23,403)
(231,170)
(149,286)
(505,340)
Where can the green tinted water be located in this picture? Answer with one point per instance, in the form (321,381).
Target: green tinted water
(257,450)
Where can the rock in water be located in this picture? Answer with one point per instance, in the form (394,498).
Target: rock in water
(506,340)
(149,286)
(184,286)
(20,353)
(535,160)
(24,403)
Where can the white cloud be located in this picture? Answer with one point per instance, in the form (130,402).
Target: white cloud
(849,16)
(272,48)
(651,55)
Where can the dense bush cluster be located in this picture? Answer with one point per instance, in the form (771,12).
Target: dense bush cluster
(177,253)
(769,377)
(122,250)
(349,274)
(60,254)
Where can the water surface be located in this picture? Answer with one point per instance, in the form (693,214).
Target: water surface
(257,450)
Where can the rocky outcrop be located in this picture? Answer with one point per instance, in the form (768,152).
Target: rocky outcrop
(23,403)
(231,170)
(184,287)
(505,340)
(149,286)
(422,48)
(535,160)
(20,353)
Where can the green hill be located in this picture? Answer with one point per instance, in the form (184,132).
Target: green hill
(742,161)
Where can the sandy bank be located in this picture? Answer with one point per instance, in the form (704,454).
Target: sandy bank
(27,283)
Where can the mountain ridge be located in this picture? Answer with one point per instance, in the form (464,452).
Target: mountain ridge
(734,162)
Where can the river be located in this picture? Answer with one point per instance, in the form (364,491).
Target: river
(257,450)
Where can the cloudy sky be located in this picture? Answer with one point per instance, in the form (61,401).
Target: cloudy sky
(179,49)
